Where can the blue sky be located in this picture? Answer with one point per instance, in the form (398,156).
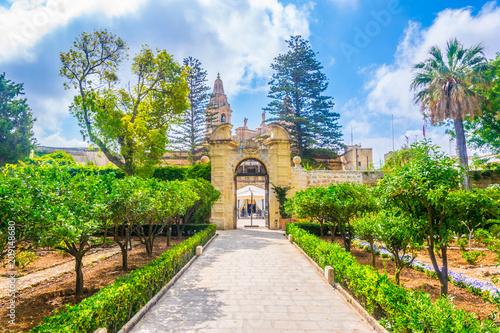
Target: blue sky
(367,48)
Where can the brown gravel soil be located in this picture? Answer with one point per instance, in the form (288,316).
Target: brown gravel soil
(34,304)
(46,258)
(416,280)
(485,270)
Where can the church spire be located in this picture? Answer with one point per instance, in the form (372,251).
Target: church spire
(218,109)
(218,87)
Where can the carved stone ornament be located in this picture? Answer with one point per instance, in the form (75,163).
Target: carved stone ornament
(251,147)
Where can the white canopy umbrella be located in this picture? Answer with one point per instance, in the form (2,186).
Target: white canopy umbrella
(250,192)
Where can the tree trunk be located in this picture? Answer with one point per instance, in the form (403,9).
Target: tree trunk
(346,236)
(123,249)
(396,276)
(79,275)
(372,250)
(179,231)
(169,235)
(462,149)
(444,271)
(332,232)
(149,246)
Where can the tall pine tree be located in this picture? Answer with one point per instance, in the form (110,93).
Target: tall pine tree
(296,89)
(190,135)
(16,123)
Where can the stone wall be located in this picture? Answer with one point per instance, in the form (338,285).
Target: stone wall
(80,155)
(302,179)
(483,178)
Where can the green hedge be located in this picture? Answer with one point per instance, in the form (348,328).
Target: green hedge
(313,228)
(397,309)
(189,229)
(174,172)
(114,305)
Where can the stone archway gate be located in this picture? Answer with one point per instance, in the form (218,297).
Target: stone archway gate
(226,154)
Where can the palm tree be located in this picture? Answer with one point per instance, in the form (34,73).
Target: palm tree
(444,88)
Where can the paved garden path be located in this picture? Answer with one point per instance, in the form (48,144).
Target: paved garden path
(252,281)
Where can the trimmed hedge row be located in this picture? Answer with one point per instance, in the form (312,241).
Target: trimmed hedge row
(114,305)
(189,229)
(313,228)
(397,309)
(174,172)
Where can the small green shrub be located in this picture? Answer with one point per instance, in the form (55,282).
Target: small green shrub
(481,234)
(495,229)
(25,258)
(473,257)
(462,243)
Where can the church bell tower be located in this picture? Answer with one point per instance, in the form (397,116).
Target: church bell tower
(218,109)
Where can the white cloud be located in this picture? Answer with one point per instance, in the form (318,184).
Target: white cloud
(27,21)
(389,88)
(50,111)
(245,36)
(56,140)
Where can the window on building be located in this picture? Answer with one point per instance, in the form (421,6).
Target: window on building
(359,163)
(223,118)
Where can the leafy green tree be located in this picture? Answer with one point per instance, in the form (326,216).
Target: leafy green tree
(190,135)
(420,189)
(346,201)
(18,209)
(162,205)
(124,208)
(201,210)
(16,123)
(128,124)
(444,86)
(471,208)
(365,228)
(484,132)
(54,208)
(311,203)
(298,103)
(400,236)
(399,158)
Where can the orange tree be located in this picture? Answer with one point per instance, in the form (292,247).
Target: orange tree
(162,205)
(311,203)
(57,209)
(124,204)
(420,188)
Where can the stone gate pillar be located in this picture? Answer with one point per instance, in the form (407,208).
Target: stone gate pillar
(221,145)
(280,168)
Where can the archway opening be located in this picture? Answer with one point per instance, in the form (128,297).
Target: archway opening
(251,195)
